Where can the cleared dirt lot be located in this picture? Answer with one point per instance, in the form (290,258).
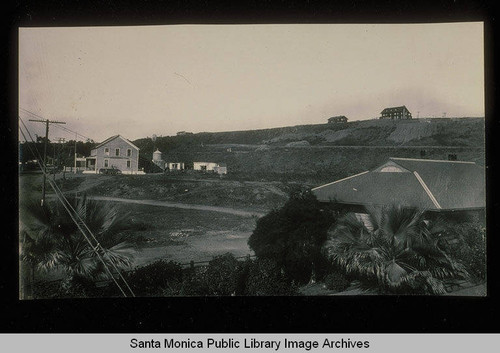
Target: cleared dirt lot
(184,235)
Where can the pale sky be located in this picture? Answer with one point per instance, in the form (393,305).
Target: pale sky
(140,81)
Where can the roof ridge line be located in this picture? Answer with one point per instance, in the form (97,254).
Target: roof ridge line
(336,181)
(114,137)
(427,190)
(429,160)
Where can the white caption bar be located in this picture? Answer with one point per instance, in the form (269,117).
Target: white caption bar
(249,343)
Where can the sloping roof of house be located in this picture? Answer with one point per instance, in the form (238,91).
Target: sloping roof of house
(427,184)
(394,109)
(114,137)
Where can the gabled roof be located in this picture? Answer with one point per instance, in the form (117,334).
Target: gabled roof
(427,184)
(394,109)
(114,137)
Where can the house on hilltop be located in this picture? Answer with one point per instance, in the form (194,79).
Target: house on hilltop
(116,154)
(337,119)
(435,186)
(396,113)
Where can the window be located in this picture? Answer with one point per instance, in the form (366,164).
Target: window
(117,151)
(129,152)
(106,163)
(106,151)
(391,169)
(128,163)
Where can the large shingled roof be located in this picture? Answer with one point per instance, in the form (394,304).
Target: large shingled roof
(427,184)
(114,137)
(394,109)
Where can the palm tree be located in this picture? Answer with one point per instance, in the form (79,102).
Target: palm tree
(394,249)
(53,241)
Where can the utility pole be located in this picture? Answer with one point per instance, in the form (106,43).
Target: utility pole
(60,142)
(47,122)
(75,150)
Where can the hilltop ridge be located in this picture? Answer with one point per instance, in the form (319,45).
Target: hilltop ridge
(415,132)
(324,152)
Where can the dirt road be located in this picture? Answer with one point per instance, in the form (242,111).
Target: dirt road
(232,211)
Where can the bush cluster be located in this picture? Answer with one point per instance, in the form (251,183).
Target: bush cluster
(223,276)
(469,248)
(155,278)
(292,237)
(337,281)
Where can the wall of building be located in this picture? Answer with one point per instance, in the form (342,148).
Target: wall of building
(209,165)
(120,161)
(220,170)
(175,166)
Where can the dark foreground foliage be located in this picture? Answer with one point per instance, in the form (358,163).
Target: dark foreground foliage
(224,276)
(292,237)
(155,278)
(336,280)
(51,241)
(395,250)
(468,246)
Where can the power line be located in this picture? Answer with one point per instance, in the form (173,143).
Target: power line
(81,225)
(47,122)
(61,127)
(73,132)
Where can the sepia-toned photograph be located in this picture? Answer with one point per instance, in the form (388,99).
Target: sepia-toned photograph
(252,160)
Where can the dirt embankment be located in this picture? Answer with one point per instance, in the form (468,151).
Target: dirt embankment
(252,196)
(374,132)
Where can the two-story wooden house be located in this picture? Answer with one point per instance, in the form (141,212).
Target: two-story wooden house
(337,119)
(114,155)
(396,113)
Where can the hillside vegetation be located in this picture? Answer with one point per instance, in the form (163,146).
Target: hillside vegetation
(324,152)
(417,132)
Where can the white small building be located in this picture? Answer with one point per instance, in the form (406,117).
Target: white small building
(221,169)
(210,167)
(175,166)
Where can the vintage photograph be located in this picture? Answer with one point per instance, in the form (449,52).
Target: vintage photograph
(252,160)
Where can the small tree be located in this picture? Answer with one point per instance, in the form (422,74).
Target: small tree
(293,235)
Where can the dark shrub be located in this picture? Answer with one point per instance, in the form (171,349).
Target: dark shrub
(468,246)
(293,235)
(77,287)
(337,281)
(222,275)
(153,279)
(195,284)
(46,290)
(265,278)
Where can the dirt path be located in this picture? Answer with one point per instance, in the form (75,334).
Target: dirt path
(180,205)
